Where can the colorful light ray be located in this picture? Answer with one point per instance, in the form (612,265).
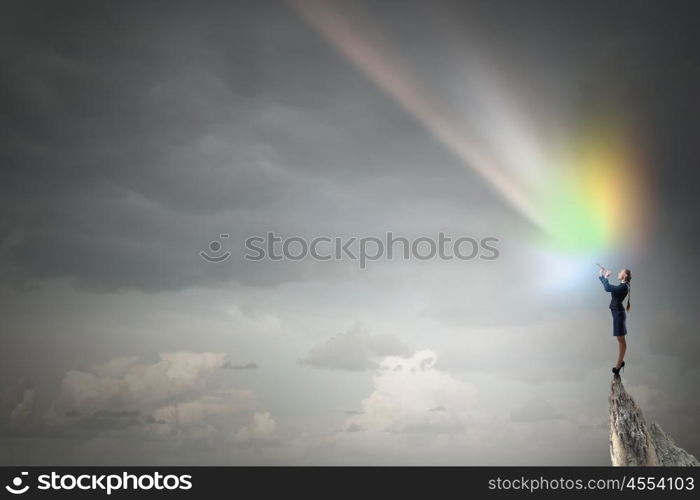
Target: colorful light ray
(592,199)
(598,200)
(374,57)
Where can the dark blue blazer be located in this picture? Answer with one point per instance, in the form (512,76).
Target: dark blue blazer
(617,293)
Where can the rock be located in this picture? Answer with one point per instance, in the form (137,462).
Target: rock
(666,450)
(632,441)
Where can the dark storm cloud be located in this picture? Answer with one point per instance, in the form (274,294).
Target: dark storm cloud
(133,135)
(118,135)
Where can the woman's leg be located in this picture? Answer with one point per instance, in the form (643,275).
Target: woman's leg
(622,344)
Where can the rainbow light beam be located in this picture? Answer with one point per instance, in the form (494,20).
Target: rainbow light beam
(587,200)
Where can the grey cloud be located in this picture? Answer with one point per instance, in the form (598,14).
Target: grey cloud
(246,366)
(496,348)
(17,403)
(117,413)
(24,408)
(110,420)
(533,410)
(354,350)
(674,333)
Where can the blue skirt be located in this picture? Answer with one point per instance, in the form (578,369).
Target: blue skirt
(619,322)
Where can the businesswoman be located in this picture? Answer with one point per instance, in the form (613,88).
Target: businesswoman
(617,295)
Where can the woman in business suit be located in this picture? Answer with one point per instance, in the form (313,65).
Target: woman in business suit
(618,294)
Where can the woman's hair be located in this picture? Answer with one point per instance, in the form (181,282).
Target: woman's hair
(628,278)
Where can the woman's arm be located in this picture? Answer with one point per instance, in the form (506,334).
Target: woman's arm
(608,287)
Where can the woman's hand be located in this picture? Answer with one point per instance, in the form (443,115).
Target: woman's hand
(607,273)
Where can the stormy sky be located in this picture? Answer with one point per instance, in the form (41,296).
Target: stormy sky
(136,133)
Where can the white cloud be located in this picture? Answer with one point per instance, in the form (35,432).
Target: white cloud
(262,427)
(124,384)
(407,392)
(192,413)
